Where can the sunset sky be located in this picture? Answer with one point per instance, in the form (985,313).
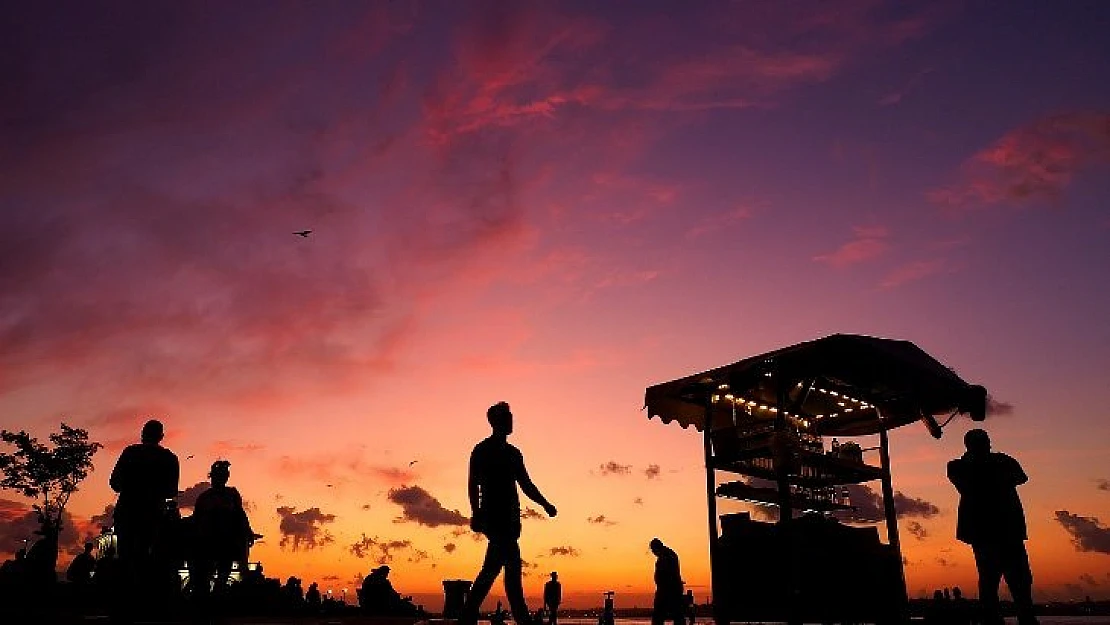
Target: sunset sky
(555,205)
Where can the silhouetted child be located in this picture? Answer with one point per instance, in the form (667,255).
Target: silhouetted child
(496,467)
(991,520)
(669,600)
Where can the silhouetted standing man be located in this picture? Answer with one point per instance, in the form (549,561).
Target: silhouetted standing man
(552,597)
(145,476)
(496,467)
(669,600)
(992,521)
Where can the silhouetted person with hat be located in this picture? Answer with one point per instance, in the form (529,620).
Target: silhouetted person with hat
(496,467)
(145,476)
(552,597)
(670,602)
(991,520)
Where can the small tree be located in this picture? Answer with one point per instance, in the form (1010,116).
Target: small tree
(47,475)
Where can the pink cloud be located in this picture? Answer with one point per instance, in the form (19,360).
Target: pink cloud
(1032,163)
(868,243)
(912,272)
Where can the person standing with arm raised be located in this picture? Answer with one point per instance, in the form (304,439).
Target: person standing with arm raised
(496,468)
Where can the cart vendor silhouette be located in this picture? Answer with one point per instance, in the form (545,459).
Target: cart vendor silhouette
(496,467)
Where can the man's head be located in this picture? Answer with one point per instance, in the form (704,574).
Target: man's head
(656,545)
(554,576)
(977,441)
(220,472)
(153,432)
(500,418)
(88,548)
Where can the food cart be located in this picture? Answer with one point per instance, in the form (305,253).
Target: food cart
(765,421)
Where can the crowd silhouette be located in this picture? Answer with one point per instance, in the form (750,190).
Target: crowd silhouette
(138,570)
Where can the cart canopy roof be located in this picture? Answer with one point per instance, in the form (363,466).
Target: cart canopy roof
(843,384)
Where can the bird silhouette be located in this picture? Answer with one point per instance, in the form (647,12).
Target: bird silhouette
(412,463)
(189,456)
(303,233)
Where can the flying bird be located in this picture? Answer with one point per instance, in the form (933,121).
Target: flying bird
(413,462)
(303,233)
(189,456)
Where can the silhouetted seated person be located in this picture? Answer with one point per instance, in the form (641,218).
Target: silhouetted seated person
(145,476)
(39,567)
(12,575)
(377,596)
(312,597)
(991,520)
(81,569)
(223,533)
(670,602)
(496,467)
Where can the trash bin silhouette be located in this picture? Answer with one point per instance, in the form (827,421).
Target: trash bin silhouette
(454,597)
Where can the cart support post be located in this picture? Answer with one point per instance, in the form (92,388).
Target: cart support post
(711,504)
(888,506)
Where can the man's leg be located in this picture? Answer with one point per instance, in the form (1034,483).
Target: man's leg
(1019,579)
(658,610)
(514,588)
(491,566)
(990,574)
(553,614)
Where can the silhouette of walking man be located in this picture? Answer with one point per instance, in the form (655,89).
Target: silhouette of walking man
(145,476)
(496,467)
(552,597)
(669,600)
(991,520)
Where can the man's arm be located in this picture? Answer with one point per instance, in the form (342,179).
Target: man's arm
(120,472)
(173,479)
(1017,474)
(474,495)
(532,492)
(955,475)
